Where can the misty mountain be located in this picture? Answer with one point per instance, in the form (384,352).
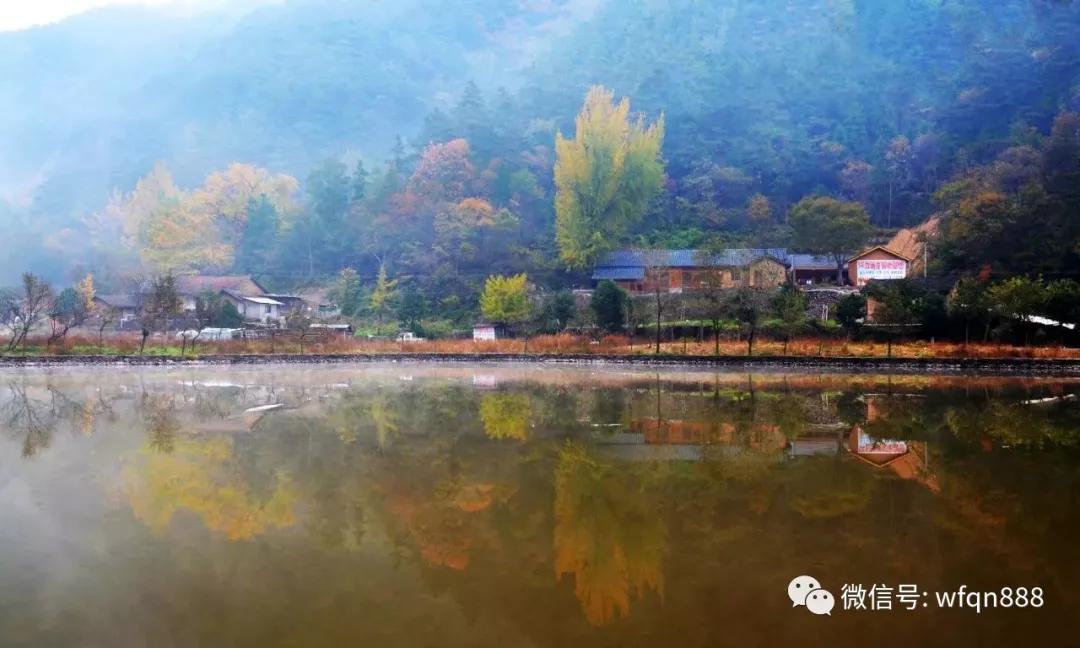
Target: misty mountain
(95,100)
(774,97)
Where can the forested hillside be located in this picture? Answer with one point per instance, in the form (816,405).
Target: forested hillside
(296,139)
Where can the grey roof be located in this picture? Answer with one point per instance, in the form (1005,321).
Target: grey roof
(734,257)
(192,285)
(118,301)
(619,273)
(812,262)
(251,298)
(263,300)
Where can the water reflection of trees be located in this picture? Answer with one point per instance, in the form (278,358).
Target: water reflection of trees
(411,469)
(28,419)
(201,476)
(34,413)
(609,535)
(506,416)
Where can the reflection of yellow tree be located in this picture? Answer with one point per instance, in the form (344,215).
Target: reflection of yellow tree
(607,534)
(159,417)
(201,476)
(386,421)
(506,416)
(86,417)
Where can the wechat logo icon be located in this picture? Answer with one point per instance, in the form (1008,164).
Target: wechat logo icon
(807,591)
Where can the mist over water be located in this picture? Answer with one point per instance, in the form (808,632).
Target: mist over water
(483,505)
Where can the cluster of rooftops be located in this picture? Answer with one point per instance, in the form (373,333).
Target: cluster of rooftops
(252,300)
(630,265)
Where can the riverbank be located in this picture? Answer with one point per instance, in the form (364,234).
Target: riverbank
(905,365)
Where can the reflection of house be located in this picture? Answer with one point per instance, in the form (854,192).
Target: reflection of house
(674,271)
(126,307)
(192,287)
(810,446)
(680,432)
(907,459)
(485,381)
(878,263)
(243,422)
(762,436)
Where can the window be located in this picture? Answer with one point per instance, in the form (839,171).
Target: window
(266,308)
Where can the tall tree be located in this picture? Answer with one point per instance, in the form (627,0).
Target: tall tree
(257,244)
(228,196)
(830,227)
(474,121)
(749,306)
(1017,300)
(359,182)
(605,176)
(898,166)
(558,310)
(22,312)
(160,303)
(412,307)
(382,295)
(609,306)
(181,237)
(329,191)
(68,311)
(506,299)
(967,301)
(790,307)
(851,311)
(347,292)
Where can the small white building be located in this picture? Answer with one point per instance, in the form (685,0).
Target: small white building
(489,332)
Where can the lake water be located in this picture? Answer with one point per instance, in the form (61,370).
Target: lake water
(458,505)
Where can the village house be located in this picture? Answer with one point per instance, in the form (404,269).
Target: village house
(814,269)
(252,301)
(877,263)
(317,302)
(292,303)
(263,310)
(673,271)
(124,306)
(192,287)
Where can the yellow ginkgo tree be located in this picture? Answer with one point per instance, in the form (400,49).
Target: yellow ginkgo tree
(605,176)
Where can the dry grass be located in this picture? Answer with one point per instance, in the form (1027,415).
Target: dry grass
(128,344)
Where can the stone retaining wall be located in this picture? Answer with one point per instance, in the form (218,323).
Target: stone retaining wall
(984,366)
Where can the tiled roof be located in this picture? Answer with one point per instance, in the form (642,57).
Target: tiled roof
(197,284)
(881,248)
(812,262)
(735,257)
(264,300)
(118,301)
(619,273)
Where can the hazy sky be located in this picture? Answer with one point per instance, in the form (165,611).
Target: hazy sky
(20,14)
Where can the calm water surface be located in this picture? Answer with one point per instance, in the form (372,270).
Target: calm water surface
(404,505)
